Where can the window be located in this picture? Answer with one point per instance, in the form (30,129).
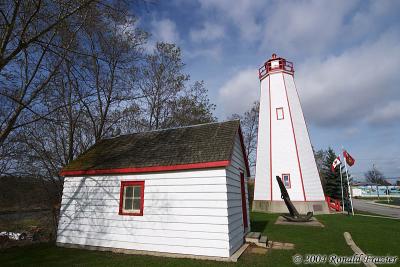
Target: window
(286,180)
(131,198)
(279,114)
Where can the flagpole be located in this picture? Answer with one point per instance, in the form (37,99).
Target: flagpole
(341,187)
(348,184)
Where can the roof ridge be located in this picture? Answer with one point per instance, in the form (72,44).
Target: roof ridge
(172,128)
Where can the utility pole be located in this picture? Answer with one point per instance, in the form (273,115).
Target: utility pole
(376,180)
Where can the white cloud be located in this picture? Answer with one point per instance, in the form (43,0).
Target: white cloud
(214,52)
(345,89)
(163,30)
(386,114)
(208,32)
(243,14)
(306,25)
(239,92)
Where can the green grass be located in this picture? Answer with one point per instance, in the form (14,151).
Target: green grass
(376,236)
(393,201)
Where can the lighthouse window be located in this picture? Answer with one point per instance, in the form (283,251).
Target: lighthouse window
(279,114)
(286,180)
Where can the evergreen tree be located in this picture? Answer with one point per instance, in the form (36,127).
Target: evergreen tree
(332,179)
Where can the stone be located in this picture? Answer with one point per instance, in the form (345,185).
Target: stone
(314,222)
(253,237)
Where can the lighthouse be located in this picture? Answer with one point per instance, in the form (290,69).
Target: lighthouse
(284,148)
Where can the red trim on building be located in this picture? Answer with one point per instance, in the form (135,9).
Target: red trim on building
(294,137)
(121,197)
(270,135)
(246,161)
(203,165)
(283,114)
(283,180)
(244,203)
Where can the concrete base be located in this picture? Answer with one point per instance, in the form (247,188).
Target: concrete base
(313,222)
(318,207)
(233,258)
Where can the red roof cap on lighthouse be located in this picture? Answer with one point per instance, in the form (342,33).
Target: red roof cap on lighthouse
(275,64)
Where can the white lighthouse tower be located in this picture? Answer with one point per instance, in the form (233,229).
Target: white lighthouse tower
(284,147)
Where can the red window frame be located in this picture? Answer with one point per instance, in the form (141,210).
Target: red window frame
(121,197)
(283,180)
(283,114)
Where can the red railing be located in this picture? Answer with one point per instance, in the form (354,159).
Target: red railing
(333,203)
(274,65)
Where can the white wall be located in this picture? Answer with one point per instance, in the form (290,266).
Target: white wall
(312,183)
(185,212)
(262,188)
(278,138)
(284,156)
(236,227)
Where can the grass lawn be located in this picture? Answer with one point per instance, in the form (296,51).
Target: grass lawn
(375,236)
(393,201)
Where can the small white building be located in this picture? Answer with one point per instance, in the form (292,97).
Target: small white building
(181,191)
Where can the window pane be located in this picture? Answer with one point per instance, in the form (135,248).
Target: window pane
(128,191)
(279,114)
(286,180)
(136,204)
(128,204)
(137,191)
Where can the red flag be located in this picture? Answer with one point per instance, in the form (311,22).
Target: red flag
(349,159)
(335,163)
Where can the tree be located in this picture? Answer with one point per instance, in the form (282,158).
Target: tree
(84,80)
(32,49)
(332,179)
(320,156)
(162,80)
(109,68)
(249,125)
(193,107)
(375,176)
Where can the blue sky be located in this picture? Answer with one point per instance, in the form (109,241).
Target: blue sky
(346,56)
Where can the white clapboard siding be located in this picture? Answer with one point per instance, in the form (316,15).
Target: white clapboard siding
(154,195)
(79,210)
(152,189)
(92,182)
(194,250)
(184,212)
(152,203)
(201,173)
(150,239)
(235,216)
(128,231)
(165,226)
(148,218)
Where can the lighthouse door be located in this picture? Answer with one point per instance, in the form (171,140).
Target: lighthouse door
(244,206)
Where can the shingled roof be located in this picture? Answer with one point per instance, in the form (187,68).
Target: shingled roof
(197,146)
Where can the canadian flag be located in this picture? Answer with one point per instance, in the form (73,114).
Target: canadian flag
(349,159)
(335,163)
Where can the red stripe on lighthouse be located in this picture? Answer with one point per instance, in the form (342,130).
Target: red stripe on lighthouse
(270,134)
(294,137)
